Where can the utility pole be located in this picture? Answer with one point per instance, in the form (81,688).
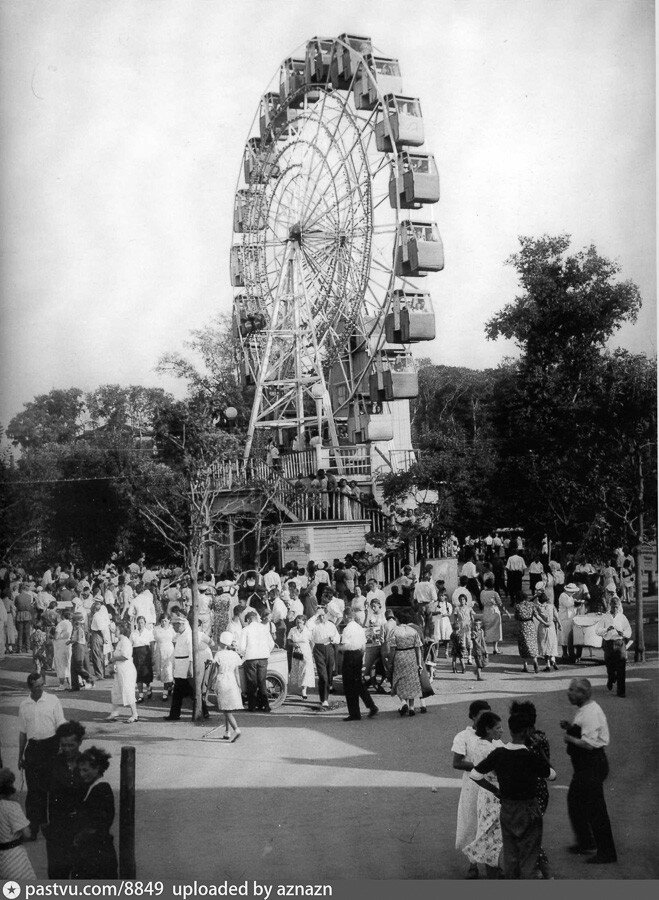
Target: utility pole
(639,641)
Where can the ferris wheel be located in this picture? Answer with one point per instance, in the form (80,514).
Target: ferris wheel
(331,233)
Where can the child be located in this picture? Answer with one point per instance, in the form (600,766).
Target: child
(479,648)
(227,685)
(464,617)
(457,648)
(517,771)
(14,826)
(38,640)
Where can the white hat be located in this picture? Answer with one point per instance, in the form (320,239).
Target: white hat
(571,588)
(227,637)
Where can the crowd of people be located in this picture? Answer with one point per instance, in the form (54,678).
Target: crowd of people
(504,793)
(133,625)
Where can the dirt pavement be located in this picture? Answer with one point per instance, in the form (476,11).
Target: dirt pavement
(305,796)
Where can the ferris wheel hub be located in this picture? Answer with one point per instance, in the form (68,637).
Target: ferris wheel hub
(295,233)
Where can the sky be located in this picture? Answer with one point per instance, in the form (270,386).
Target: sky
(122,127)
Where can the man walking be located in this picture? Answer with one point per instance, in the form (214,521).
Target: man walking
(354,644)
(616,631)
(324,636)
(586,739)
(39,716)
(256,643)
(515,568)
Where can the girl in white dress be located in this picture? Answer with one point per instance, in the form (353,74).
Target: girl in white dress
(15,864)
(226,678)
(302,675)
(125,680)
(62,649)
(163,656)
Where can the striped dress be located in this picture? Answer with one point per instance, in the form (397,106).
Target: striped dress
(14,863)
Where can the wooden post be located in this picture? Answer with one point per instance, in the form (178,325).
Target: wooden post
(639,644)
(127,867)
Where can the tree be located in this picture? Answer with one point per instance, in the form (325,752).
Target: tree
(551,405)
(57,417)
(180,500)
(452,428)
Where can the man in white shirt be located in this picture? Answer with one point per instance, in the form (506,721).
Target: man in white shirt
(515,567)
(335,607)
(616,631)
(39,717)
(325,637)
(586,739)
(143,605)
(375,592)
(183,682)
(279,616)
(353,640)
(255,645)
(99,638)
(271,579)
(424,592)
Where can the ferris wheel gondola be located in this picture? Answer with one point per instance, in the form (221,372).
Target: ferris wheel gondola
(331,232)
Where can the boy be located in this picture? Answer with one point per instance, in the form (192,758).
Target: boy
(479,648)
(517,771)
(457,648)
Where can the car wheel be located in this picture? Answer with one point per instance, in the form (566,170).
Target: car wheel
(276,688)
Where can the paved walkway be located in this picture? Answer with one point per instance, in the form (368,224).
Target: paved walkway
(305,796)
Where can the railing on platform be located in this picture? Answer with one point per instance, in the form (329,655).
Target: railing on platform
(303,462)
(320,506)
(350,462)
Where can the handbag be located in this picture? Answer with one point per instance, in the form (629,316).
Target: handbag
(424,678)
(297,654)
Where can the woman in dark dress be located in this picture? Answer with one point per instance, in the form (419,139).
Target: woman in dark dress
(64,797)
(538,744)
(527,634)
(94,855)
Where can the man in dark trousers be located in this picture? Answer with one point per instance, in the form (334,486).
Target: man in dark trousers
(256,643)
(39,717)
(586,739)
(353,640)
(517,771)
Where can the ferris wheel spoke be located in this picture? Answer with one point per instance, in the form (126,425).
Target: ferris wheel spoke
(343,198)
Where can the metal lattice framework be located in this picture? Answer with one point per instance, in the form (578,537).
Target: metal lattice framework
(317,233)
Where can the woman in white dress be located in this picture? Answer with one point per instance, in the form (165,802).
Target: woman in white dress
(226,680)
(462,749)
(62,649)
(125,680)
(486,847)
(163,654)
(302,674)
(566,612)
(15,864)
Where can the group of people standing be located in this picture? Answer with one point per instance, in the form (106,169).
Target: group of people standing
(68,799)
(504,793)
